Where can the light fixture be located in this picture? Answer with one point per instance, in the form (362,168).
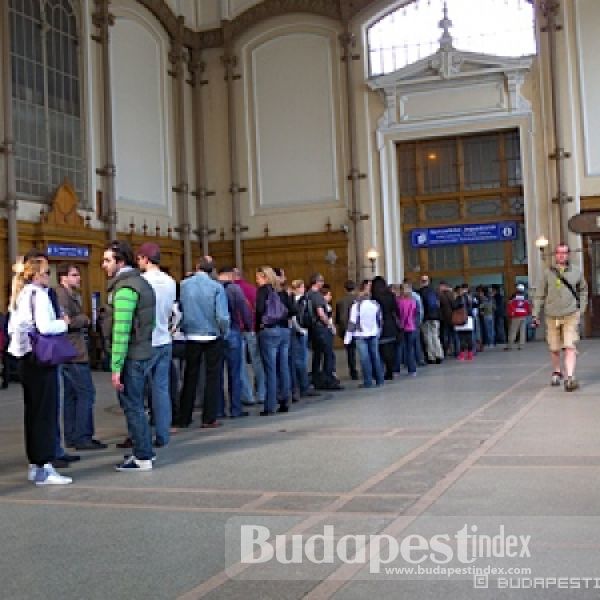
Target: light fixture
(372,255)
(541,243)
(432,156)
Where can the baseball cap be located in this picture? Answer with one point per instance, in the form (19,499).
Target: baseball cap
(520,287)
(150,250)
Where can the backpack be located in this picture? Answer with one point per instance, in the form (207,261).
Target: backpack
(304,316)
(275,310)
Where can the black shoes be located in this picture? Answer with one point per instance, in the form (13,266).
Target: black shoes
(283,409)
(266,413)
(91,445)
(65,460)
(244,413)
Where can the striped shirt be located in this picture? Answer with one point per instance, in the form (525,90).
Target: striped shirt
(124,304)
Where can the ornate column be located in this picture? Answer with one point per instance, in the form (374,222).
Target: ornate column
(103,19)
(177,60)
(7,146)
(348,41)
(230,62)
(196,67)
(550,10)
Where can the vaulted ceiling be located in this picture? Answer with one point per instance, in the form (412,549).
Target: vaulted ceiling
(211,23)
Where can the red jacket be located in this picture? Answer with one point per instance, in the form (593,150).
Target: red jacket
(519,307)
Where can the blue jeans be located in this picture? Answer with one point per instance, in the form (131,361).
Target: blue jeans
(274,346)
(160,375)
(489,329)
(370,361)
(79,396)
(131,399)
(247,391)
(233,359)
(409,343)
(299,348)
(251,340)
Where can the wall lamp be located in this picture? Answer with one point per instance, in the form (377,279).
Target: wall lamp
(372,256)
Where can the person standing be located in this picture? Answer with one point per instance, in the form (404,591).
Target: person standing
(342,313)
(431,321)
(205,324)
(407,311)
(79,393)
(321,335)
(365,323)
(165,292)
(241,319)
(30,308)
(499,315)
(129,322)
(273,340)
(562,295)
(518,310)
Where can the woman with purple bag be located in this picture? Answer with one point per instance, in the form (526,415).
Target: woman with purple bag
(30,310)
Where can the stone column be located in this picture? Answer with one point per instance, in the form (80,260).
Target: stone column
(7,147)
(197,66)
(177,60)
(230,62)
(551,9)
(103,20)
(348,42)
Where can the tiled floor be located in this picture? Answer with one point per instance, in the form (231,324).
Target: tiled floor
(483,443)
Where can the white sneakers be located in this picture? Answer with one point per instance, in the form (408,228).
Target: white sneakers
(46,475)
(132,464)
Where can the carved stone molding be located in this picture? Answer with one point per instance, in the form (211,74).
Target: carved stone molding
(64,208)
(273,8)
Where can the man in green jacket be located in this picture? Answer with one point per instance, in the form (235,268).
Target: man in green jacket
(562,295)
(129,323)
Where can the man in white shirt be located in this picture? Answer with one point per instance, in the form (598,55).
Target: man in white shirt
(148,259)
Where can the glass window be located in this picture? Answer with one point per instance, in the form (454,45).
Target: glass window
(481,162)
(407,167)
(442,211)
(486,207)
(46,97)
(439,166)
(409,214)
(490,254)
(502,27)
(446,258)
(519,246)
(411,255)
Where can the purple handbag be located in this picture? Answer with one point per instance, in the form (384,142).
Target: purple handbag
(50,350)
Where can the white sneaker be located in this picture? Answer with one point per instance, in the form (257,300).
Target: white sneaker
(47,475)
(133,464)
(31,471)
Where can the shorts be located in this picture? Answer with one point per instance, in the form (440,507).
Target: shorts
(562,332)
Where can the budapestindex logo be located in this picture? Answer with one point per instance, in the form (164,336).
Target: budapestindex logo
(464,546)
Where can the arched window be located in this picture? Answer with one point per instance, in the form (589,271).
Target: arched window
(412,32)
(46,97)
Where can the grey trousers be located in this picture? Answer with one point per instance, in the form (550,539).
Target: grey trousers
(431,333)
(517,325)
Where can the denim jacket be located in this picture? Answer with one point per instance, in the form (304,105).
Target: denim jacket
(204,306)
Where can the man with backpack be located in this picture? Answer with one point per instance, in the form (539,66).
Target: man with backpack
(431,321)
(562,295)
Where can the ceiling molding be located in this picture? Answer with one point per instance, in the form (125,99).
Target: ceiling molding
(267,9)
(275,8)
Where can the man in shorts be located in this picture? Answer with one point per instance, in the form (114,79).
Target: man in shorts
(563,296)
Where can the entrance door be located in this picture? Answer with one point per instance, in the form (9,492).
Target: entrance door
(592,275)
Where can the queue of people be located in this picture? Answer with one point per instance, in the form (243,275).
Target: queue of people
(164,338)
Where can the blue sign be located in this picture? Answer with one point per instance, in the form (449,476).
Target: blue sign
(464,234)
(68,251)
